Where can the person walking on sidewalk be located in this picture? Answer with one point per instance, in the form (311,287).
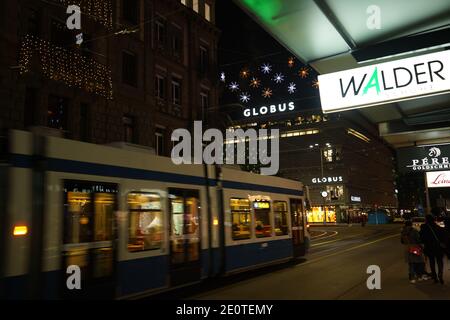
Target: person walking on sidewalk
(410,238)
(433,239)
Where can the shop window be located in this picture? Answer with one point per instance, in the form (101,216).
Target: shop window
(280,217)
(332,154)
(240,218)
(263,227)
(145,221)
(322,214)
(335,193)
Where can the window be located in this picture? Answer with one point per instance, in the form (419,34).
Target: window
(280,215)
(204,99)
(185,225)
(128,129)
(145,221)
(195,5)
(208,12)
(30,108)
(129,68)
(332,154)
(204,59)
(84,122)
(176,91)
(60,35)
(159,141)
(131,11)
(263,227)
(160,33)
(335,193)
(177,42)
(160,84)
(241,218)
(34,19)
(183,2)
(57,112)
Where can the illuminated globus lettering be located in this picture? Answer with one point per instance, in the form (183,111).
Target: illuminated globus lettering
(272,109)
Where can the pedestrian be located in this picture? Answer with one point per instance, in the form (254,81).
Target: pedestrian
(433,238)
(410,238)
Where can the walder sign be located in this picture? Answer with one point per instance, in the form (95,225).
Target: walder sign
(386,82)
(423,159)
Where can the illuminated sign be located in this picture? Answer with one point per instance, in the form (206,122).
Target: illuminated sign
(429,158)
(327,180)
(438,179)
(261,205)
(386,82)
(355,199)
(272,109)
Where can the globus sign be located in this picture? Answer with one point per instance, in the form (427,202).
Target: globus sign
(438,179)
(386,82)
(270,109)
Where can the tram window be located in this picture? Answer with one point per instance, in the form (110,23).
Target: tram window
(241,218)
(78,218)
(263,227)
(280,215)
(104,212)
(145,221)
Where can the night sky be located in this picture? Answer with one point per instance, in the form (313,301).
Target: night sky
(244,45)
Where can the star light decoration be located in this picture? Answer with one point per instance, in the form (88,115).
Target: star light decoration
(278,78)
(267,93)
(292,87)
(245,97)
(291,62)
(222,77)
(303,72)
(245,73)
(266,68)
(255,83)
(234,86)
(315,84)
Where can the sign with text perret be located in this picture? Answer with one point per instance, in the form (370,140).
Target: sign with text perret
(423,158)
(387,82)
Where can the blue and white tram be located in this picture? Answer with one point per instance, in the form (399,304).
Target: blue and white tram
(133,223)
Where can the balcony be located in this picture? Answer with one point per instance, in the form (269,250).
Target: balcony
(64,65)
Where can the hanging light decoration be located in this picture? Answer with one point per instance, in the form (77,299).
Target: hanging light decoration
(267,93)
(245,73)
(315,84)
(291,62)
(303,72)
(255,83)
(292,87)
(222,77)
(99,10)
(233,86)
(278,78)
(266,68)
(67,66)
(245,97)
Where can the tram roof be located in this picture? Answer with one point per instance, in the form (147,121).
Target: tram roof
(332,35)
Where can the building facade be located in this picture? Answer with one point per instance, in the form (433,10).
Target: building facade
(143,69)
(348,170)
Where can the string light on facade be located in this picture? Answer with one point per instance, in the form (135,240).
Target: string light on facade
(303,72)
(222,77)
(233,86)
(315,84)
(245,73)
(267,93)
(278,78)
(292,88)
(68,66)
(291,62)
(266,68)
(245,97)
(255,83)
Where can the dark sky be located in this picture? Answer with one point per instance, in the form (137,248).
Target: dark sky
(245,45)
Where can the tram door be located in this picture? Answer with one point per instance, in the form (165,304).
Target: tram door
(185,260)
(89,240)
(298,232)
